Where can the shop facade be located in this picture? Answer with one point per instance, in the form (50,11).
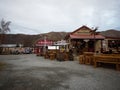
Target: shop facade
(41,46)
(112,44)
(82,40)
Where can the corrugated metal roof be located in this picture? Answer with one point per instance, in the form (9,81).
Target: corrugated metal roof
(9,45)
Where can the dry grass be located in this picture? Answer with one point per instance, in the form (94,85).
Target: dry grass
(2,65)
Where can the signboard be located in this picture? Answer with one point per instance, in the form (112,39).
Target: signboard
(53,47)
(61,43)
(44,43)
(84,31)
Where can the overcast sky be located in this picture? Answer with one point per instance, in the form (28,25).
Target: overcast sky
(42,16)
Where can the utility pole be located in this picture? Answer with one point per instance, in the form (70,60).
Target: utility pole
(93,32)
(44,45)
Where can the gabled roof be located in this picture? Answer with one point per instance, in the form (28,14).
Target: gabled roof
(83,27)
(81,33)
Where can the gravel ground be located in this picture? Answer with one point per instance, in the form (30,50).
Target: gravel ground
(29,72)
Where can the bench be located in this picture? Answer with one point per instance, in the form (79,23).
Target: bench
(113,59)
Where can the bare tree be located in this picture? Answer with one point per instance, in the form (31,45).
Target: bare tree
(4,28)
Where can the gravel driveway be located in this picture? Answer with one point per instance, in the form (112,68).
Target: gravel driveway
(29,72)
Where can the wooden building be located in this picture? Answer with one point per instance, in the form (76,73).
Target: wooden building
(112,41)
(82,40)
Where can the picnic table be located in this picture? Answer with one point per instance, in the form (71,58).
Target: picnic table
(112,59)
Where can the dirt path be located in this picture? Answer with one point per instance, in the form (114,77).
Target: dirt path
(28,72)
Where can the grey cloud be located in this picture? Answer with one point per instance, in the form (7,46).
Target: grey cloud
(60,15)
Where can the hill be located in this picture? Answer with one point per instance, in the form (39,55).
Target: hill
(29,40)
(111,33)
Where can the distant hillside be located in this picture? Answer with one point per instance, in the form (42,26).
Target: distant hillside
(55,36)
(111,33)
(28,40)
